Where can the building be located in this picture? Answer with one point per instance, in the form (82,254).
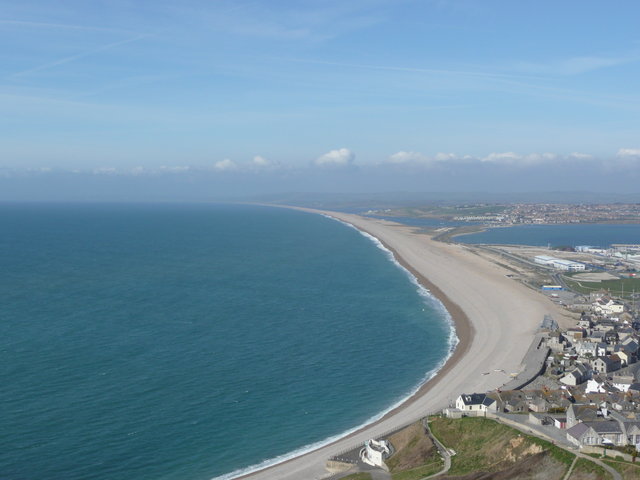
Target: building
(552,287)
(582,413)
(559,264)
(597,433)
(374,452)
(623,382)
(632,430)
(591,249)
(607,307)
(475,404)
(606,364)
(578,375)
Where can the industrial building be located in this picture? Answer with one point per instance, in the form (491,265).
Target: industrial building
(559,264)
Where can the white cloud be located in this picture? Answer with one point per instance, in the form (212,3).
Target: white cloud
(225,165)
(341,157)
(625,158)
(629,153)
(504,157)
(442,158)
(261,163)
(452,157)
(405,157)
(580,156)
(516,159)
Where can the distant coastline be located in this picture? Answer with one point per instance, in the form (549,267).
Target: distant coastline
(460,339)
(489,338)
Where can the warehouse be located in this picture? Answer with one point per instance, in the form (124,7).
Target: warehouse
(559,264)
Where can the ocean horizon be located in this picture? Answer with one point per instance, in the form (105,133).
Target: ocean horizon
(193,341)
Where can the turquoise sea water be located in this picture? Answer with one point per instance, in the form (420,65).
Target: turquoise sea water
(190,341)
(599,235)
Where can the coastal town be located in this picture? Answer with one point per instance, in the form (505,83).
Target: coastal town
(510,399)
(520,213)
(579,384)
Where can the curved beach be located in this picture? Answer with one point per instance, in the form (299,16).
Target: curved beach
(495,319)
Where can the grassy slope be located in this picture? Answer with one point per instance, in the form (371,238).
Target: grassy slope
(416,455)
(586,470)
(485,445)
(485,449)
(629,471)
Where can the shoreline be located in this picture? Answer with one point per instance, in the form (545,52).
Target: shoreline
(461,331)
(394,237)
(462,328)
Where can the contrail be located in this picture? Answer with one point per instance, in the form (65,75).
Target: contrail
(62,26)
(73,58)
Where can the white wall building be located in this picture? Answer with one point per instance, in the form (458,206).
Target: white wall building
(607,307)
(475,404)
(559,264)
(375,451)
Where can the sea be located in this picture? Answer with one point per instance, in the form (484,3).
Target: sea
(595,235)
(601,235)
(197,341)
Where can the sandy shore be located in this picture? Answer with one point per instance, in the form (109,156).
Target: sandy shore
(495,319)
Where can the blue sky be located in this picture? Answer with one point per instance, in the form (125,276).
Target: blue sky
(391,95)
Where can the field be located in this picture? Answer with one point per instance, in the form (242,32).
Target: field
(446,211)
(623,287)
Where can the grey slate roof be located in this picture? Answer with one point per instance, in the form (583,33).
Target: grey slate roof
(605,427)
(476,399)
(577,430)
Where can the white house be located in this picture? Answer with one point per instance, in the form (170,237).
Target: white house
(587,348)
(607,307)
(594,386)
(475,404)
(623,382)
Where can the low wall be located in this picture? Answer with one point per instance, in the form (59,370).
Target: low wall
(534,362)
(607,452)
(519,426)
(335,466)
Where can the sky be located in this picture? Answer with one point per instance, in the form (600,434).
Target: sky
(204,99)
